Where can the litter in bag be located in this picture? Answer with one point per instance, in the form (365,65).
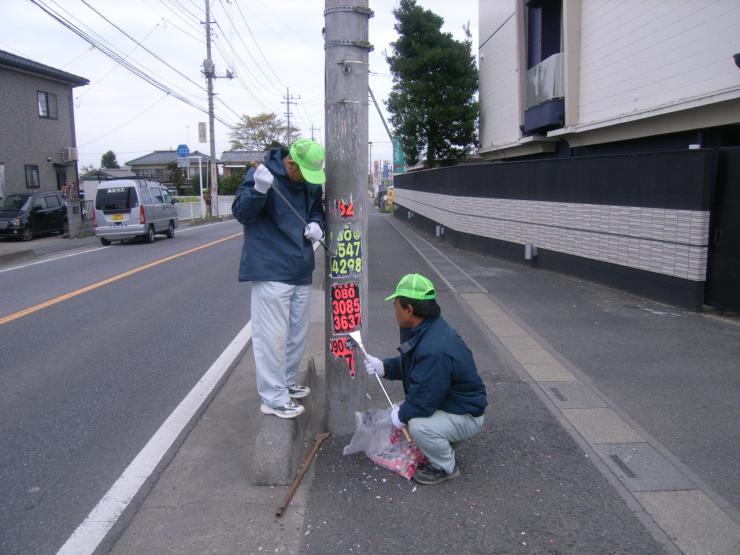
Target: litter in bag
(385,445)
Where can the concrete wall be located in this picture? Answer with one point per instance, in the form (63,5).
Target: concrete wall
(25,138)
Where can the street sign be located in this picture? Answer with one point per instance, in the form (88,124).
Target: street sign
(201,132)
(183,151)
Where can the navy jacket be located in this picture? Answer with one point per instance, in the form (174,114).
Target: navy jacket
(274,247)
(438,372)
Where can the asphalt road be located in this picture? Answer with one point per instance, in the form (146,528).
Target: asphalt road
(85,382)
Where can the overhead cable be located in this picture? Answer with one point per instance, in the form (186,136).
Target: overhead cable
(115,56)
(144,47)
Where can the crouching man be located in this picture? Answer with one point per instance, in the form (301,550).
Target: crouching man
(445,397)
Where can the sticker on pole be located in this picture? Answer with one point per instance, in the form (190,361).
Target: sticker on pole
(348,259)
(345,307)
(339,347)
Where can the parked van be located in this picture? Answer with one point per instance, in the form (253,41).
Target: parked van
(127,208)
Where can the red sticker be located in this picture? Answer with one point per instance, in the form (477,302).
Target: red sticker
(346,210)
(340,349)
(345,307)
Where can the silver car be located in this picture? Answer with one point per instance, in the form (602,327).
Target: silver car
(129,208)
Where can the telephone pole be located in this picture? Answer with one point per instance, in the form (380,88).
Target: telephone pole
(209,70)
(288,101)
(346,50)
(312,130)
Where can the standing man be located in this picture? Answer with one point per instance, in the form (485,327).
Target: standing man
(445,396)
(278,258)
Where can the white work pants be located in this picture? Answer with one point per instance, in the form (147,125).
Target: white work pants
(280,318)
(433,435)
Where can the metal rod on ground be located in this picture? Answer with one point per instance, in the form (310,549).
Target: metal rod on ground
(298,215)
(318,440)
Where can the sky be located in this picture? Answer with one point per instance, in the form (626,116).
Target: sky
(272,46)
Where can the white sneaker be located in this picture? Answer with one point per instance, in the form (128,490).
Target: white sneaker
(288,410)
(296,391)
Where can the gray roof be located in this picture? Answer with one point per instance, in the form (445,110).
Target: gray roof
(107,173)
(242,156)
(162,157)
(16,62)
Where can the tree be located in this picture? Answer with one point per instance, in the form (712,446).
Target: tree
(175,176)
(108,161)
(260,132)
(432,102)
(87,168)
(229,185)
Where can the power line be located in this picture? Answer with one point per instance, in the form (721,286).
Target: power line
(246,48)
(240,79)
(102,44)
(95,82)
(144,47)
(108,51)
(269,66)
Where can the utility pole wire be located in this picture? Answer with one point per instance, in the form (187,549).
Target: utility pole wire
(117,57)
(144,47)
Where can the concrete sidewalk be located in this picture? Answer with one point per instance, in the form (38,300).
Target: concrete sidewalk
(560,467)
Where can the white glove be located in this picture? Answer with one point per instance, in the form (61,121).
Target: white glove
(374,365)
(313,232)
(394,418)
(262,179)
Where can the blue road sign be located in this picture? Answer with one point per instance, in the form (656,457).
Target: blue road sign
(183,151)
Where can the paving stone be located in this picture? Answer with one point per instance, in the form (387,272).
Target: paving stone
(693,521)
(642,468)
(548,372)
(572,395)
(601,425)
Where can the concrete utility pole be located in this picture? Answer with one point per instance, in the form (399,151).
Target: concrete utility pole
(312,130)
(346,49)
(288,101)
(209,70)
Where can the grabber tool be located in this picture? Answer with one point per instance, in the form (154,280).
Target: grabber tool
(357,338)
(298,215)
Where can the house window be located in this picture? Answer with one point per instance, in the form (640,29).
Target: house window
(47,105)
(544,21)
(32,177)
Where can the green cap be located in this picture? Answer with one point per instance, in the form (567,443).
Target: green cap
(414,286)
(309,155)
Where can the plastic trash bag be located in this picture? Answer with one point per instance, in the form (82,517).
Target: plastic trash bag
(385,445)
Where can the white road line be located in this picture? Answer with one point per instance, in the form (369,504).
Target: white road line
(52,259)
(97,249)
(93,531)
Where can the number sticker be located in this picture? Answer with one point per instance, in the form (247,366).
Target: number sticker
(340,349)
(346,309)
(348,261)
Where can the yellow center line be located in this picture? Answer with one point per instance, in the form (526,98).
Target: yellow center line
(60,298)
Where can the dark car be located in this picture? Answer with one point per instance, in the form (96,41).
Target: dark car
(25,215)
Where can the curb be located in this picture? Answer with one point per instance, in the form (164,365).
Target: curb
(280,443)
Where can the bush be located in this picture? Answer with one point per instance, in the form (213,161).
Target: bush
(229,185)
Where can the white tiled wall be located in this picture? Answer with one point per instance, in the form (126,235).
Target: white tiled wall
(665,241)
(638,55)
